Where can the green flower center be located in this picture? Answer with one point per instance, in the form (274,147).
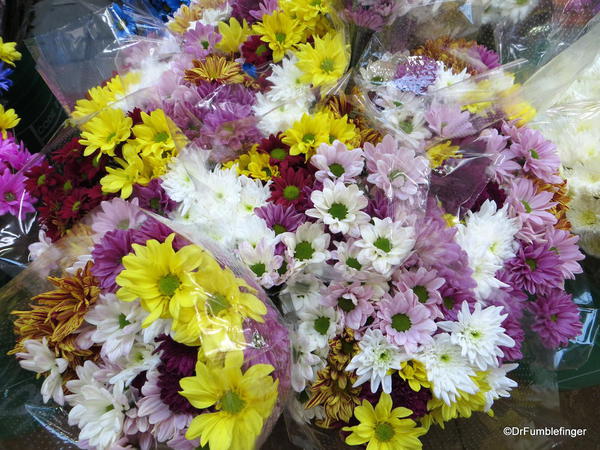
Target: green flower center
(308,138)
(154,204)
(217,303)
(531,263)
(291,192)
(232,403)
(337,169)
(278,153)
(123,224)
(322,325)
(278,228)
(168,284)
(421,293)
(347,348)
(280,37)
(110,137)
(401,322)
(383,244)
(554,317)
(353,262)
(327,65)
(304,250)
(445,358)
(346,304)
(338,211)
(205,44)
(475,334)
(384,432)
(534,154)
(448,302)
(407,126)
(67,186)
(9,196)
(76,206)
(41,180)
(395,174)
(259,269)
(377,79)
(123,322)
(163,136)
(527,206)
(261,49)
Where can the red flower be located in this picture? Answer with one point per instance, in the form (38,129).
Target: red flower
(256,51)
(70,152)
(41,179)
(279,152)
(290,188)
(74,204)
(136,116)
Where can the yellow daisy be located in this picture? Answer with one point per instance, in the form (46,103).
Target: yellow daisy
(414,372)
(161,277)
(157,134)
(105,131)
(233,34)
(254,165)
(324,62)
(215,68)
(9,53)
(132,171)
(343,131)
(242,402)
(441,152)
(306,11)
(307,134)
(280,31)
(384,428)
(8,120)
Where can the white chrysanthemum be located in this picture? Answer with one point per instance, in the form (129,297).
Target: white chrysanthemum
(381,70)
(43,244)
(301,414)
(488,238)
(189,165)
(302,290)
(376,360)
(590,243)
(38,358)
(86,376)
(447,369)
(584,214)
(318,324)
(254,194)
(212,16)
(79,263)
(116,324)
(287,87)
(479,334)
(500,384)
(262,260)
(141,358)
(274,117)
(385,244)
(252,229)
(339,207)
(446,77)
(305,364)
(307,245)
(99,414)
(511,10)
(584,178)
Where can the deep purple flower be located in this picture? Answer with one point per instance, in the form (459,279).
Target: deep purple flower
(153,197)
(279,218)
(153,229)
(402,395)
(177,358)
(513,329)
(379,205)
(108,255)
(535,268)
(556,318)
(492,191)
(416,74)
(168,382)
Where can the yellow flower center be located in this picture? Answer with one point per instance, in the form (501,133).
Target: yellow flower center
(384,432)
(168,284)
(232,403)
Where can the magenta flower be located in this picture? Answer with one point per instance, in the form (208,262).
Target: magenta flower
(13,156)
(535,154)
(153,197)
(379,205)
(108,255)
(14,199)
(335,161)
(529,205)
(200,41)
(424,284)
(396,171)
(351,301)
(556,318)
(535,268)
(515,331)
(405,321)
(449,122)
(564,244)
(279,218)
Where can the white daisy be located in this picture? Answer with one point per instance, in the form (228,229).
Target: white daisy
(100,414)
(318,324)
(212,16)
(43,244)
(301,414)
(262,261)
(38,358)
(479,334)
(287,87)
(305,364)
(189,166)
(141,358)
(447,370)
(307,245)
(385,244)
(274,117)
(446,77)
(511,10)
(86,376)
(500,384)
(116,325)
(254,194)
(339,207)
(302,290)
(584,214)
(376,360)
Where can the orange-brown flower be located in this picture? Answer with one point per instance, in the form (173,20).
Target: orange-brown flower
(216,68)
(562,199)
(58,314)
(184,16)
(333,387)
(448,51)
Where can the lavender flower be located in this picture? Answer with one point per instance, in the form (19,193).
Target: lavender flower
(556,318)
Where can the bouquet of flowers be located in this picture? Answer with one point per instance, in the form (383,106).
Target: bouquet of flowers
(406,228)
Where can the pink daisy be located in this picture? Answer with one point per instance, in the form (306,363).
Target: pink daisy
(117,214)
(564,244)
(536,155)
(405,321)
(556,318)
(424,284)
(351,301)
(448,121)
(529,205)
(535,268)
(335,161)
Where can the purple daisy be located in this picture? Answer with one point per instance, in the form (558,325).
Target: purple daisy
(535,268)
(556,318)
(279,218)
(488,57)
(153,229)
(379,205)
(424,284)
(14,199)
(177,358)
(13,156)
(352,301)
(153,197)
(108,255)
(564,244)
(529,205)
(515,331)
(535,154)
(449,121)
(200,41)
